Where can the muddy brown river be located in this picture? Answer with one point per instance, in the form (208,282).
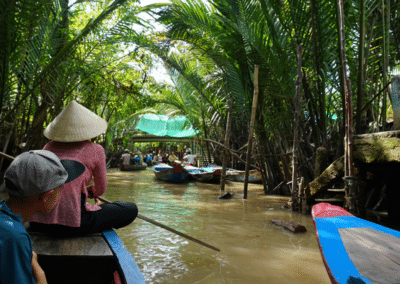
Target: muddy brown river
(253,250)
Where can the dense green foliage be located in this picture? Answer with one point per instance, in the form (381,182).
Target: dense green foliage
(85,51)
(214,45)
(100,53)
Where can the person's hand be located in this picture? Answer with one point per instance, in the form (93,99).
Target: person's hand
(97,201)
(37,271)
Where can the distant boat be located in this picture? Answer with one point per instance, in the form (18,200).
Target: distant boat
(211,173)
(204,174)
(123,167)
(166,172)
(94,258)
(235,175)
(355,250)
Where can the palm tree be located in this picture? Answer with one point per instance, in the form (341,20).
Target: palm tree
(46,61)
(235,35)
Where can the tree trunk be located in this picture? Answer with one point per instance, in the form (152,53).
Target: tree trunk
(385,22)
(226,152)
(251,131)
(296,131)
(360,72)
(320,85)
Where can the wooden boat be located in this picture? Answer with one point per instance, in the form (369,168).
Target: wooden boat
(231,174)
(355,250)
(123,167)
(216,170)
(95,258)
(169,173)
(254,176)
(207,174)
(211,173)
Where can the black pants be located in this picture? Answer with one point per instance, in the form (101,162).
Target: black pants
(111,216)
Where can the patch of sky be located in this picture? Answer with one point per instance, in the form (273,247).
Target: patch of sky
(158,71)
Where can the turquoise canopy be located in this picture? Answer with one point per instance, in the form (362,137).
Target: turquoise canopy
(162,125)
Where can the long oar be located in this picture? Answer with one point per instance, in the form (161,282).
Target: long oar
(7,156)
(167,228)
(145,218)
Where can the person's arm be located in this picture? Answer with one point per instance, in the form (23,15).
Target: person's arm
(100,181)
(37,271)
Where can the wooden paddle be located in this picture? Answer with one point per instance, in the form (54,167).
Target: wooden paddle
(167,228)
(145,218)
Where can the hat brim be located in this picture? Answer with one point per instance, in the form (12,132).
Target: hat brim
(75,123)
(74,169)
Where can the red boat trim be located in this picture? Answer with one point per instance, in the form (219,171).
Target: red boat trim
(324,210)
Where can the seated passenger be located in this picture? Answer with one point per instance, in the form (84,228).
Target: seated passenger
(190,159)
(172,158)
(137,160)
(149,159)
(125,158)
(132,159)
(70,132)
(34,182)
(165,158)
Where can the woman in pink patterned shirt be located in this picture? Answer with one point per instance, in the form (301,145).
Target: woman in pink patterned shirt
(70,132)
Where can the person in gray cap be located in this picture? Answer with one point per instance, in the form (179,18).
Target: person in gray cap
(33,181)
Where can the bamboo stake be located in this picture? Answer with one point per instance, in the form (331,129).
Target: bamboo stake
(346,93)
(145,218)
(226,152)
(296,130)
(360,72)
(205,133)
(350,131)
(385,27)
(319,80)
(350,182)
(250,142)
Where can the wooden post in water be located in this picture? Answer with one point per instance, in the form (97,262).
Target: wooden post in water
(250,141)
(349,180)
(226,151)
(296,131)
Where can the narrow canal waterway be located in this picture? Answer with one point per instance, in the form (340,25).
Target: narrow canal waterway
(253,250)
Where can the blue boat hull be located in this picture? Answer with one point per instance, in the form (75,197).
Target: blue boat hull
(127,267)
(166,173)
(354,249)
(206,174)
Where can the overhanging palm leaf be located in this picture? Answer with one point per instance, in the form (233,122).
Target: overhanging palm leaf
(62,54)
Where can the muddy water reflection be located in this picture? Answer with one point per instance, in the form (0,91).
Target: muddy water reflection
(252,249)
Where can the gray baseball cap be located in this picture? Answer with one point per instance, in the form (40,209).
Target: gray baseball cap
(39,171)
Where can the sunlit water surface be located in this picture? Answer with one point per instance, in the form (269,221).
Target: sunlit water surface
(253,250)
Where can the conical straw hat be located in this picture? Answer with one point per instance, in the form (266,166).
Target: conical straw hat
(75,123)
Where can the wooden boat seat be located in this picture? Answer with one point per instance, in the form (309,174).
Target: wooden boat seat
(375,254)
(88,258)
